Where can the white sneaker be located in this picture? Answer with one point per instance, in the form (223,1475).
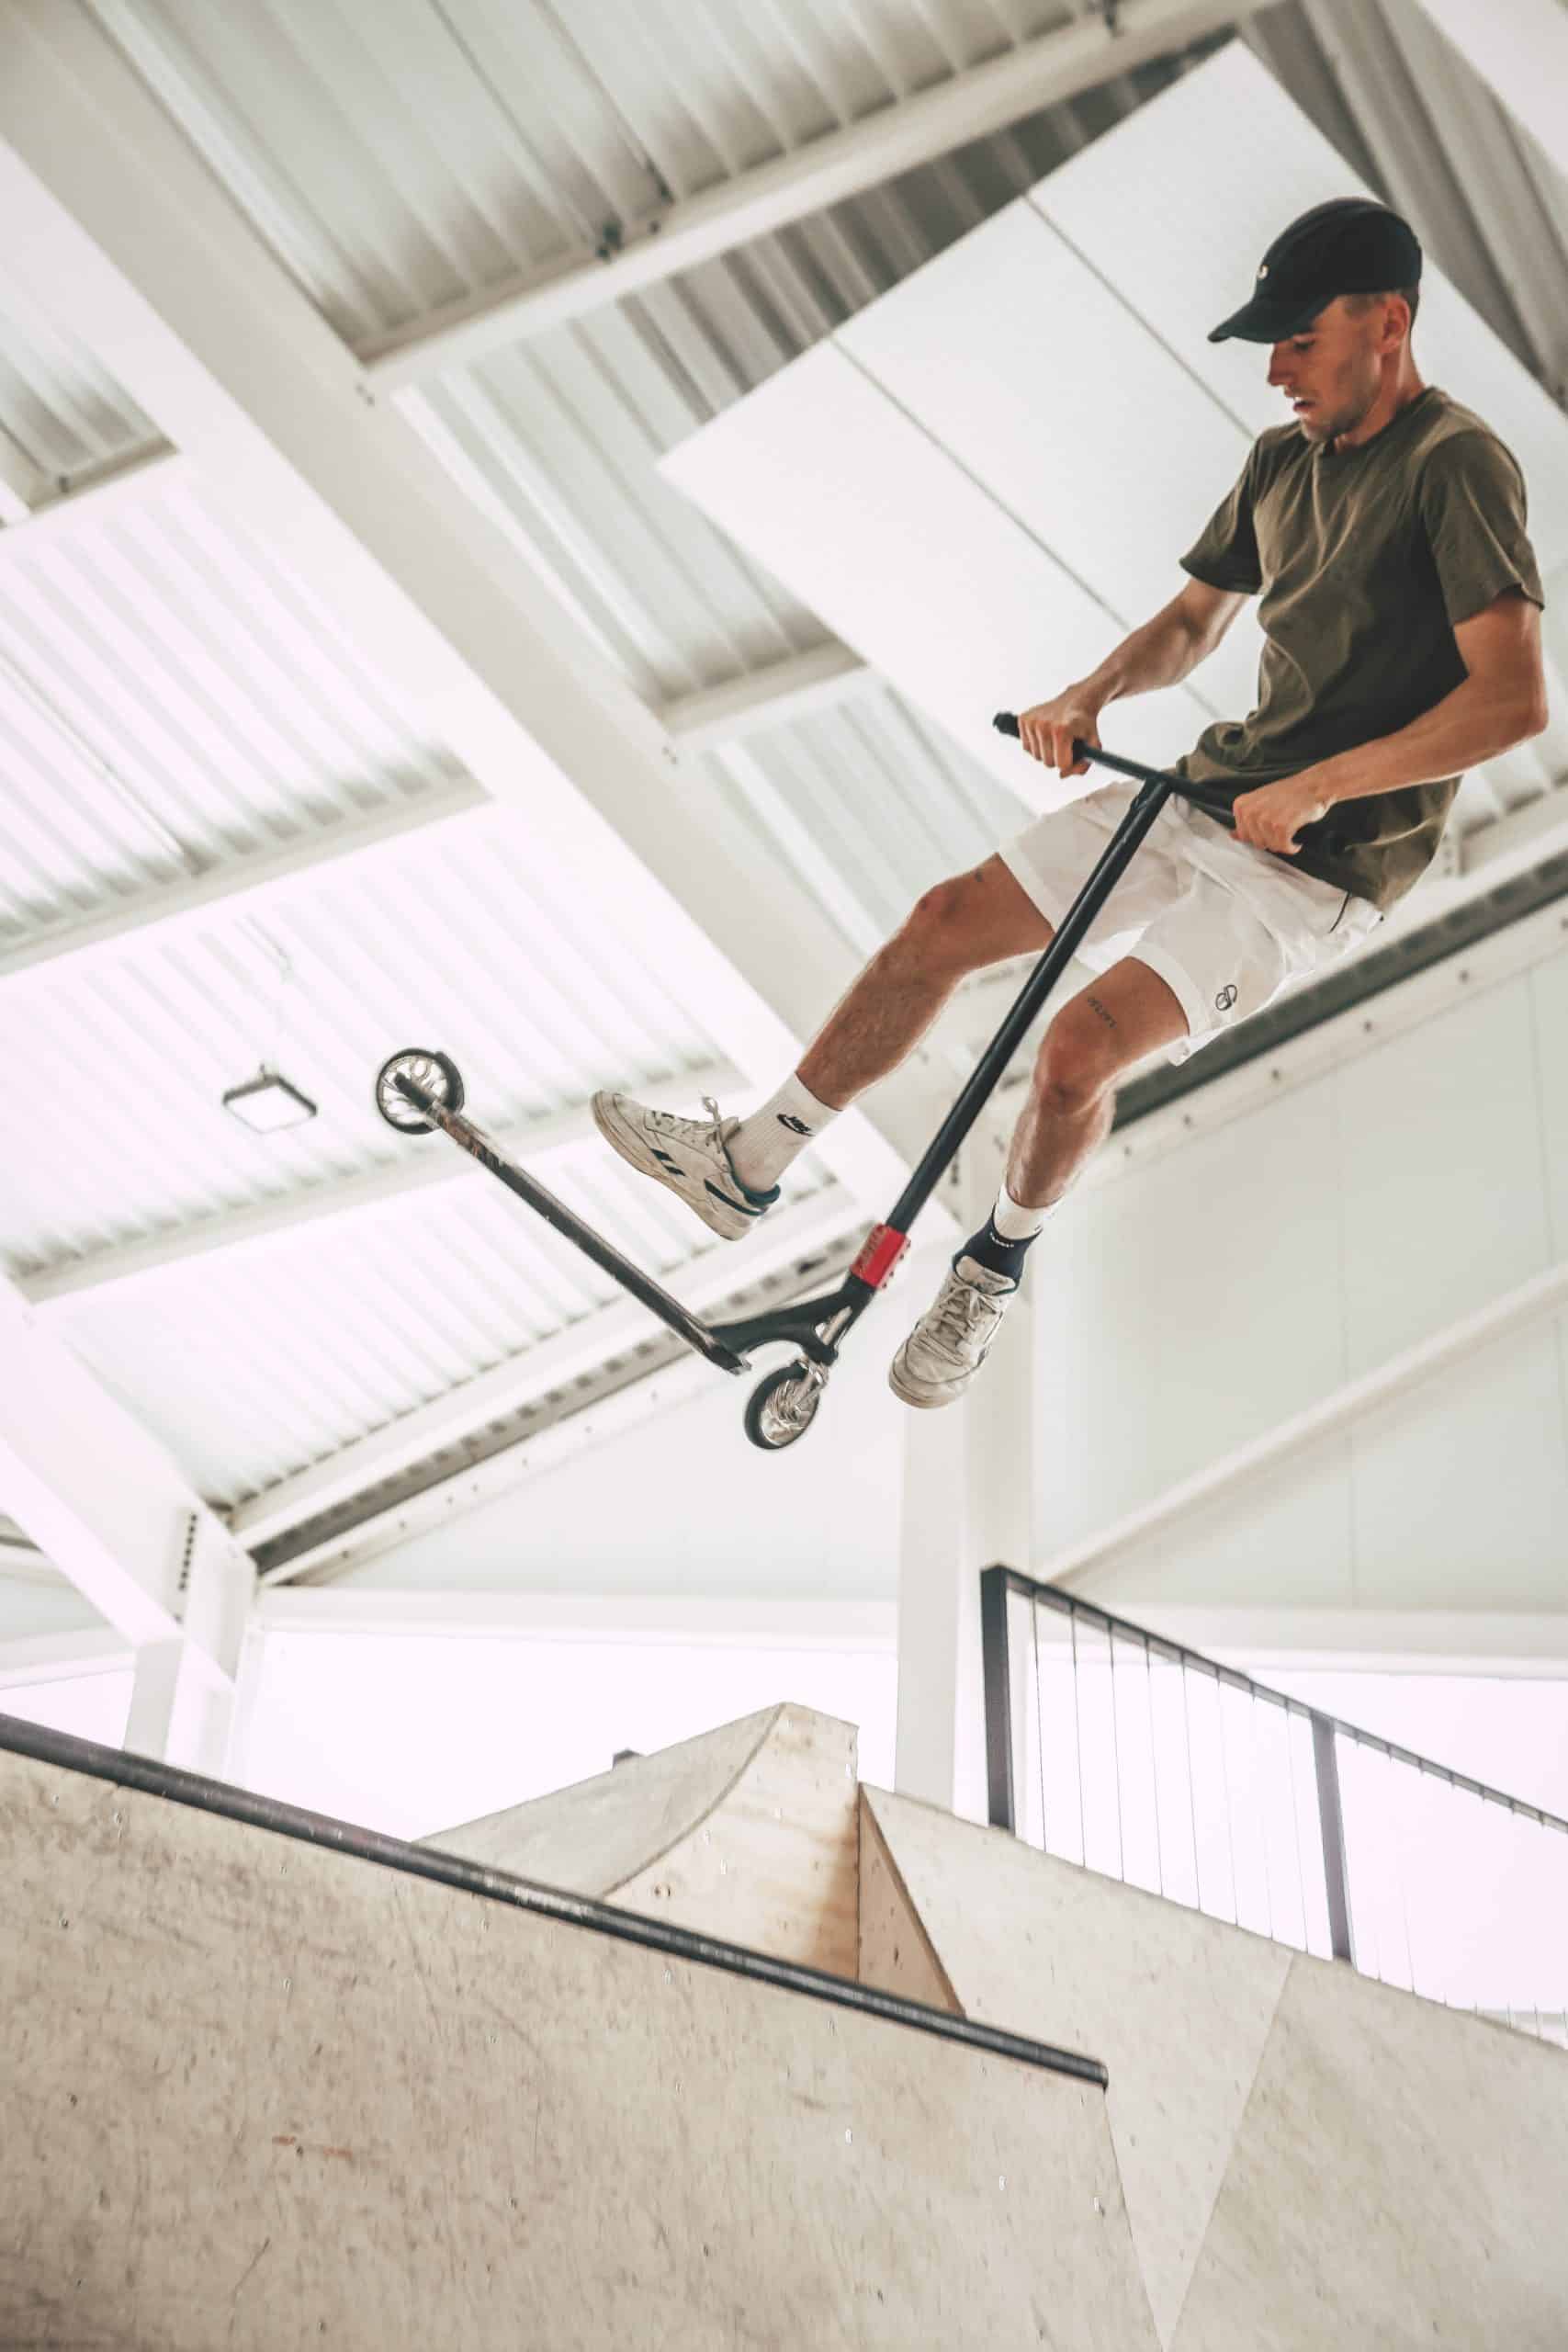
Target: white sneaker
(690,1156)
(950,1341)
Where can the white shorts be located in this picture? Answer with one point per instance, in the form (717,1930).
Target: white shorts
(1224,924)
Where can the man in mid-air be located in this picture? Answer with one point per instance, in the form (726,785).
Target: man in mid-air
(1383,529)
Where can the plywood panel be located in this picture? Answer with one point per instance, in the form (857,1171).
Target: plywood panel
(1460,1485)
(1176,207)
(1049,389)
(860,513)
(1398,2179)
(1440,1182)
(259,2093)
(1182,2005)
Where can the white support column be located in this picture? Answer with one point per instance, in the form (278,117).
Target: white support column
(967,1504)
(102,1500)
(113,220)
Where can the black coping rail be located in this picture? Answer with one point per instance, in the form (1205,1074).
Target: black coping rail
(168,1781)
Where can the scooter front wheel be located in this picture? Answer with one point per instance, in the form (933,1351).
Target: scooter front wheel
(434,1074)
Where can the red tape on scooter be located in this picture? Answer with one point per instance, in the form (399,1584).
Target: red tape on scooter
(885,1245)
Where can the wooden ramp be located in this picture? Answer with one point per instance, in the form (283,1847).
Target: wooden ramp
(1308,2158)
(750,1832)
(271,2081)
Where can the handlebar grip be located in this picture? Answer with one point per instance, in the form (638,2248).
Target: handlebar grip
(1006,723)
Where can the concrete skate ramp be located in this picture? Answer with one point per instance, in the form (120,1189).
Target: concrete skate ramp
(747,1832)
(270,2081)
(1309,2159)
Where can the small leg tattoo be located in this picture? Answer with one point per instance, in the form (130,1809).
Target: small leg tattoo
(1102,1012)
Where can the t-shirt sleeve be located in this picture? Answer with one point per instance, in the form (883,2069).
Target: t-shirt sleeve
(1224,554)
(1473,508)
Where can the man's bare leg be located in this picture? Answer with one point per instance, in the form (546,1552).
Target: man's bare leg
(727,1171)
(959,927)
(1072,1098)
(1072,1101)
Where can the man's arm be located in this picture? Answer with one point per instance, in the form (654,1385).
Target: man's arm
(1501,702)
(1161,653)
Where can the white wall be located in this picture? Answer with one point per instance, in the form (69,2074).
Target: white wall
(1244,1274)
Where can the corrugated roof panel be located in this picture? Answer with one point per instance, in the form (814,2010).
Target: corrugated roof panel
(60,407)
(172,697)
(401,156)
(870,804)
(460,944)
(562,434)
(252,1369)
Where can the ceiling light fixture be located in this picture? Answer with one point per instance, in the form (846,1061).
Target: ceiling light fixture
(268,1103)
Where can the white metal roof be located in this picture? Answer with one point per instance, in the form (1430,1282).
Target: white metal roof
(189,727)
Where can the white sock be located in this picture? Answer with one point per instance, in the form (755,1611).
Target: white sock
(768,1140)
(1015,1222)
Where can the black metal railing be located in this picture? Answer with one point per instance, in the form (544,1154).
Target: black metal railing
(1120,1749)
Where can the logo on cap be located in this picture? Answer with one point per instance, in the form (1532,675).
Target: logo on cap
(1264,271)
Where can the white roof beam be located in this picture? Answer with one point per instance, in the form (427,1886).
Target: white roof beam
(1036,73)
(249,885)
(697,1620)
(421,1168)
(112,216)
(583,1348)
(1341,1409)
(92,498)
(1521,51)
(1524,838)
(113,1512)
(20,483)
(797,688)
(60,1658)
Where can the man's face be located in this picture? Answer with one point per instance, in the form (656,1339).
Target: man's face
(1331,372)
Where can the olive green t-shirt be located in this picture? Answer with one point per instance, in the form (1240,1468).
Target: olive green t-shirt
(1366,560)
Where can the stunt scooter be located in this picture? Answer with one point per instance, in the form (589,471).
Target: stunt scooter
(418,1091)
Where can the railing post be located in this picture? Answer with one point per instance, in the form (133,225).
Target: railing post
(997,1670)
(1331,1820)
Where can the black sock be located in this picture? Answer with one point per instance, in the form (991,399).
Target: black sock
(996,1252)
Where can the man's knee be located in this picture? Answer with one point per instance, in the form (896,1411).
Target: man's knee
(947,928)
(1078,1064)
(973,920)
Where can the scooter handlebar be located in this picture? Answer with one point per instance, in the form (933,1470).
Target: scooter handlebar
(1006,723)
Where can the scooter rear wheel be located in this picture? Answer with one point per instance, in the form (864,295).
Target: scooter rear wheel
(782,1407)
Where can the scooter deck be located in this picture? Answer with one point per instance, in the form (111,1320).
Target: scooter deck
(571,1228)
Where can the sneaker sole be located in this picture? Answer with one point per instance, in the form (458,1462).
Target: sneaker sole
(909,1396)
(623,1139)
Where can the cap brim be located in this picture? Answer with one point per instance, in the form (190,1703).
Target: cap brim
(1261,321)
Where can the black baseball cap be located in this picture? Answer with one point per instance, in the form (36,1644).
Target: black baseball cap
(1348,246)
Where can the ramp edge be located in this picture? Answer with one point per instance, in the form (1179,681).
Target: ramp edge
(175,1786)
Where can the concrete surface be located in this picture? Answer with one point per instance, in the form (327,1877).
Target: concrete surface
(261,2093)
(1310,2159)
(749,1832)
